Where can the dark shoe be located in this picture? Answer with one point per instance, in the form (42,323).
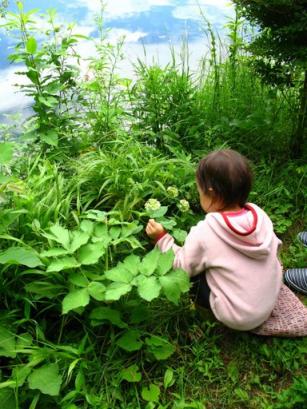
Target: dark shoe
(296,278)
(302,236)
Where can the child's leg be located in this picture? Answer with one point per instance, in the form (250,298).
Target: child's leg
(200,290)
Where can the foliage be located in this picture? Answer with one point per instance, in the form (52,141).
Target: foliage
(90,315)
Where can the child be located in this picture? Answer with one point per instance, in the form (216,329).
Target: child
(234,250)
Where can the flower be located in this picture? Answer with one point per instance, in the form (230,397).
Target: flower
(172,191)
(184,205)
(152,204)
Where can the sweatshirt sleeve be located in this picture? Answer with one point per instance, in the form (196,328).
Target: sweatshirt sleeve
(191,256)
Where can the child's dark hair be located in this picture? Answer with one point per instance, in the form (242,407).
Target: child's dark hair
(226,175)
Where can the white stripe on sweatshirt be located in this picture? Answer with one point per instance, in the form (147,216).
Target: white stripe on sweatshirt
(243,272)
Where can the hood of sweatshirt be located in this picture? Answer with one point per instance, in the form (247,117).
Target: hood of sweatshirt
(249,231)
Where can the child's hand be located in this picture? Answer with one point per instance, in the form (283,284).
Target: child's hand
(154,229)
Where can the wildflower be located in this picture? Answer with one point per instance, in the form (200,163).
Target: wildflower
(152,204)
(172,191)
(184,205)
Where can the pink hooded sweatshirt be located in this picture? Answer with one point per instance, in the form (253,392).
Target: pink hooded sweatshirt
(238,252)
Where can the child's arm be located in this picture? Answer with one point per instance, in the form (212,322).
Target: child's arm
(190,257)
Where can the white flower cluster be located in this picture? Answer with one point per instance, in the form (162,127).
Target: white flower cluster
(152,204)
(172,191)
(184,205)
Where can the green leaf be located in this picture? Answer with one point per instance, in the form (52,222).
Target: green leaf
(20,255)
(154,214)
(119,274)
(54,252)
(150,262)
(131,374)
(181,278)
(7,343)
(20,374)
(170,289)
(47,379)
(31,45)
(148,288)
(166,262)
(91,253)
(107,314)
(78,279)
(63,263)
(179,235)
(151,394)
(168,378)
(115,232)
(50,102)
(87,226)
(50,138)
(60,235)
(159,347)
(116,290)
(167,223)
(79,238)
(97,290)
(75,299)
(6,152)
(7,399)
(131,263)
(130,341)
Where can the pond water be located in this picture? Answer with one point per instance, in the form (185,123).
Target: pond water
(146,24)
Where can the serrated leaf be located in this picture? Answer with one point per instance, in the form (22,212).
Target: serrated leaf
(130,341)
(159,347)
(107,314)
(148,288)
(150,262)
(75,299)
(131,374)
(151,394)
(97,290)
(63,263)
(119,274)
(20,255)
(91,253)
(115,290)
(46,379)
(132,263)
(167,223)
(54,252)
(6,152)
(60,235)
(7,343)
(78,239)
(78,279)
(166,262)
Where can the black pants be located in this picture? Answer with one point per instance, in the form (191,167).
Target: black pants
(200,290)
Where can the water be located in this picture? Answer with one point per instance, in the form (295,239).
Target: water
(152,24)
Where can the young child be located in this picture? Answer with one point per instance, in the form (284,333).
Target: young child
(234,250)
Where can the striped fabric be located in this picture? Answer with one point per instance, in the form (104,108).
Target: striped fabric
(296,278)
(302,236)
(288,318)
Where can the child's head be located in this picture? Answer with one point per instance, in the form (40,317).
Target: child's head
(224,180)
